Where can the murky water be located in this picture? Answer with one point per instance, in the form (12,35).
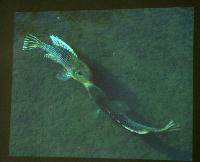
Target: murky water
(140,56)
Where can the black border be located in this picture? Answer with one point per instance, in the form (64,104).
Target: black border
(9,7)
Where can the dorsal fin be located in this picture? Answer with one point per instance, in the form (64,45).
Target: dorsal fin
(58,42)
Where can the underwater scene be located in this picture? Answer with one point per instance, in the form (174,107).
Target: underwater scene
(111,84)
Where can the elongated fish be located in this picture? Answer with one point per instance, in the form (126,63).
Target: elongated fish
(61,53)
(112,108)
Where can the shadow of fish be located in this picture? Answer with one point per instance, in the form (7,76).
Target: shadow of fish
(61,53)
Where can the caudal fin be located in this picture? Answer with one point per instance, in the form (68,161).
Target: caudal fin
(171,126)
(30,42)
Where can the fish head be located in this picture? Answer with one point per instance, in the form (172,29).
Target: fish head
(81,72)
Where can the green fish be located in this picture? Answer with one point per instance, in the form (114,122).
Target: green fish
(61,53)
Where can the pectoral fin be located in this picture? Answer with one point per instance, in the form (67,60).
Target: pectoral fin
(63,75)
(50,56)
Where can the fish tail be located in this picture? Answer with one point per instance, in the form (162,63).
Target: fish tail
(30,42)
(171,126)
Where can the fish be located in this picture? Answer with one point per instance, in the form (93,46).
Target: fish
(61,53)
(117,111)
(73,67)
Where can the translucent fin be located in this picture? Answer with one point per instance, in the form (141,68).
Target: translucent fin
(170,126)
(119,107)
(58,42)
(63,75)
(50,56)
(30,42)
(97,111)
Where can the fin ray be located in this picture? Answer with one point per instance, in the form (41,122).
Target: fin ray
(30,42)
(58,42)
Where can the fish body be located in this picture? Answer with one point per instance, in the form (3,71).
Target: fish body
(61,53)
(114,110)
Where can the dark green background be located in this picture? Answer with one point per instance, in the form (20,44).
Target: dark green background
(141,56)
